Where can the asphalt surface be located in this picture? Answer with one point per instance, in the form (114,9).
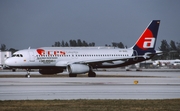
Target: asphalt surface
(134,85)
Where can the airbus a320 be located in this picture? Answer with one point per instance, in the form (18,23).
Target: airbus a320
(51,60)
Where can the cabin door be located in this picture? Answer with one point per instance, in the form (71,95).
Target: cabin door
(31,56)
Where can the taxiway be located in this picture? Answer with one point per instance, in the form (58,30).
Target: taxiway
(164,86)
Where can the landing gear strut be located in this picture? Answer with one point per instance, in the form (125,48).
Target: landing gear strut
(28,73)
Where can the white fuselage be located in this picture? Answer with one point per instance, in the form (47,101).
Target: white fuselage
(61,57)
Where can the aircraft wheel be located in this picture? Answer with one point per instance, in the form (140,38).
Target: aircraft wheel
(13,70)
(28,75)
(91,74)
(72,75)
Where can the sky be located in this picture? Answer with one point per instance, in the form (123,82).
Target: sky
(41,23)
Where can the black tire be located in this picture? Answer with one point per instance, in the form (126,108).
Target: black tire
(72,75)
(14,70)
(91,74)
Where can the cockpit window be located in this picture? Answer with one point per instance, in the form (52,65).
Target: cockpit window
(17,55)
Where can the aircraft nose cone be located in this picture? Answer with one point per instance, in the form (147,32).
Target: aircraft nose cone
(8,62)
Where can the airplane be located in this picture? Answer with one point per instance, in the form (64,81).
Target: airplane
(51,60)
(175,62)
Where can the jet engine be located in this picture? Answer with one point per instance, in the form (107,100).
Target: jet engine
(50,71)
(77,68)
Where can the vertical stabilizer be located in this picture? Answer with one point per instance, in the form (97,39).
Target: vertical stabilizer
(147,41)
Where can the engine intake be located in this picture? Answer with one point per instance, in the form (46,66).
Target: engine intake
(77,68)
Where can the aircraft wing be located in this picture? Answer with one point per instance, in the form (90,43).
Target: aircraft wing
(89,61)
(103,60)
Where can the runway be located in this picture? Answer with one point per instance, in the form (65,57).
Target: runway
(165,86)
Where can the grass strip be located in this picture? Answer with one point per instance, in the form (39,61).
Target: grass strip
(90,105)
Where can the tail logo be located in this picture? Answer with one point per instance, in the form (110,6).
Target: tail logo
(149,43)
(146,40)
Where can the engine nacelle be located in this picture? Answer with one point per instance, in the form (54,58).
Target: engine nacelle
(77,68)
(50,71)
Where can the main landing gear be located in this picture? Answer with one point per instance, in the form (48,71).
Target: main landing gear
(28,73)
(91,74)
(72,75)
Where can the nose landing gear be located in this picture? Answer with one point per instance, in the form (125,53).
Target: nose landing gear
(28,73)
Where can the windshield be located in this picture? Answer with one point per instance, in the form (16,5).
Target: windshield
(17,55)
